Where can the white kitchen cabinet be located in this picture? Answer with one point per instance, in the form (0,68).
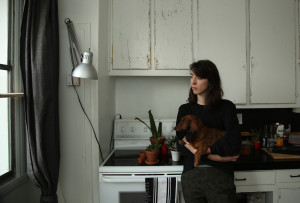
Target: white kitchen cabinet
(272,51)
(222,39)
(288,182)
(173,34)
(254,44)
(131,34)
(288,195)
(257,181)
(151,38)
(254,178)
(280,186)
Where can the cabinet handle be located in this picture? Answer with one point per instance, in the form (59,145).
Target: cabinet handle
(240,179)
(295,176)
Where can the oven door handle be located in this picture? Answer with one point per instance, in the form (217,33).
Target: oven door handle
(126,179)
(122,180)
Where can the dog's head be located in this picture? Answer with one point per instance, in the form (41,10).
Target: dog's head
(189,124)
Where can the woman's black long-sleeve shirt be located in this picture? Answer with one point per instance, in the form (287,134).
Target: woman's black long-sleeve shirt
(224,117)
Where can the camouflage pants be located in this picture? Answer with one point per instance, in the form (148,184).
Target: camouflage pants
(208,185)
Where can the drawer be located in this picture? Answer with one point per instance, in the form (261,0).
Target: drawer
(288,176)
(254,177)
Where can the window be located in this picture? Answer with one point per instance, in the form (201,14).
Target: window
(12,147)
(5,149)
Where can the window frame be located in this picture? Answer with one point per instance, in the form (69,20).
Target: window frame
(17,175)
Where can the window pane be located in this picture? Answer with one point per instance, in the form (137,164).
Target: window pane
(4,31)
(5,142)
(3,82)
(4,137)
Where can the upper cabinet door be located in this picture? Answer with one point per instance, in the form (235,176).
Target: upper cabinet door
(272,51)
(222,39)
(173,34)
(131,35)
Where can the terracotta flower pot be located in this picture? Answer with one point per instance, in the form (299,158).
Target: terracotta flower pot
(143,155)
(152,156)
(161,140)
(245,150)
(140,160)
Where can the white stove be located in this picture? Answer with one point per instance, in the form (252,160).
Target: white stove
(121,178)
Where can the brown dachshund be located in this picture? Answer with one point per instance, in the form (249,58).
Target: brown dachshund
(198,135)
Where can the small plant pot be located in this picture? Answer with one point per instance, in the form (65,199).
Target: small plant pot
(164,150)
(257,145)
(161,140)
(143,155)
(152,156)
(175,155)
(140,160)
(245,150)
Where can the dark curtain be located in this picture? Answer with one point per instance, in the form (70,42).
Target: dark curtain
(39,59)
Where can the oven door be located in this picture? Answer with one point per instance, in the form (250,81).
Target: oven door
(128,188)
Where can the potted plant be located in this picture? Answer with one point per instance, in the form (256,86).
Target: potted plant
(156,132)
(171,144)
(246,147)
(256,136)
(152,152)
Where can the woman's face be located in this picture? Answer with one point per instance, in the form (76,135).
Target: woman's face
(199,85)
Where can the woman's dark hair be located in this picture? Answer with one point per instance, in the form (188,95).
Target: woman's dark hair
(207,69)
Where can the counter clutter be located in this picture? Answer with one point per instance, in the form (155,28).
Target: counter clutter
(258,159)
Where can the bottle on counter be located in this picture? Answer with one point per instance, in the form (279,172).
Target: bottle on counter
(279,135)
(264,140)
(286,134)
(271,140)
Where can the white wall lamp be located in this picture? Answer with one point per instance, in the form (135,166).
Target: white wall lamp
(84,69)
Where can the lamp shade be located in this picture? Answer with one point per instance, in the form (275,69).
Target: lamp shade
(86,69)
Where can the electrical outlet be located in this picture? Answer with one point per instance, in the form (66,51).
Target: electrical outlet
(76,81)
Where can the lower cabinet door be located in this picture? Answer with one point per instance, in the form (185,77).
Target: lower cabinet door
(288,195)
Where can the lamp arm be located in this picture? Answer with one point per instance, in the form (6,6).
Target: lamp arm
(74,46)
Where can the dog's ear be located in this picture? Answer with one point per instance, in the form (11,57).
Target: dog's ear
(193,125)
(199,123)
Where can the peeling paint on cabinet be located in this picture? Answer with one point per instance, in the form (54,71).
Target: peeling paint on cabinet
(173,35)
(131,34)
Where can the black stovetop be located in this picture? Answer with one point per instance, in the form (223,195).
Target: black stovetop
(129,158)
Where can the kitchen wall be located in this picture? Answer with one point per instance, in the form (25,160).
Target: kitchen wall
(79,162)
(102,99)
(163,95)
(78,178)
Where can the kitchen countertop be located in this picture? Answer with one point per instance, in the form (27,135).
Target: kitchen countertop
(259,160)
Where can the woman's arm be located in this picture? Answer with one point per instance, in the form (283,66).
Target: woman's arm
(215,157)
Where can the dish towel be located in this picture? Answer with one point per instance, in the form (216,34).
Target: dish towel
(161,190)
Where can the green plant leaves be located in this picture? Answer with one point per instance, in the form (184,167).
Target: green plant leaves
(152,125)
(156,133)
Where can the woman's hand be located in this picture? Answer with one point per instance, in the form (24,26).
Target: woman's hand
(215,157)
(189,146)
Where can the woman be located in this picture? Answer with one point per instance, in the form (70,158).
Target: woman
(212,180)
